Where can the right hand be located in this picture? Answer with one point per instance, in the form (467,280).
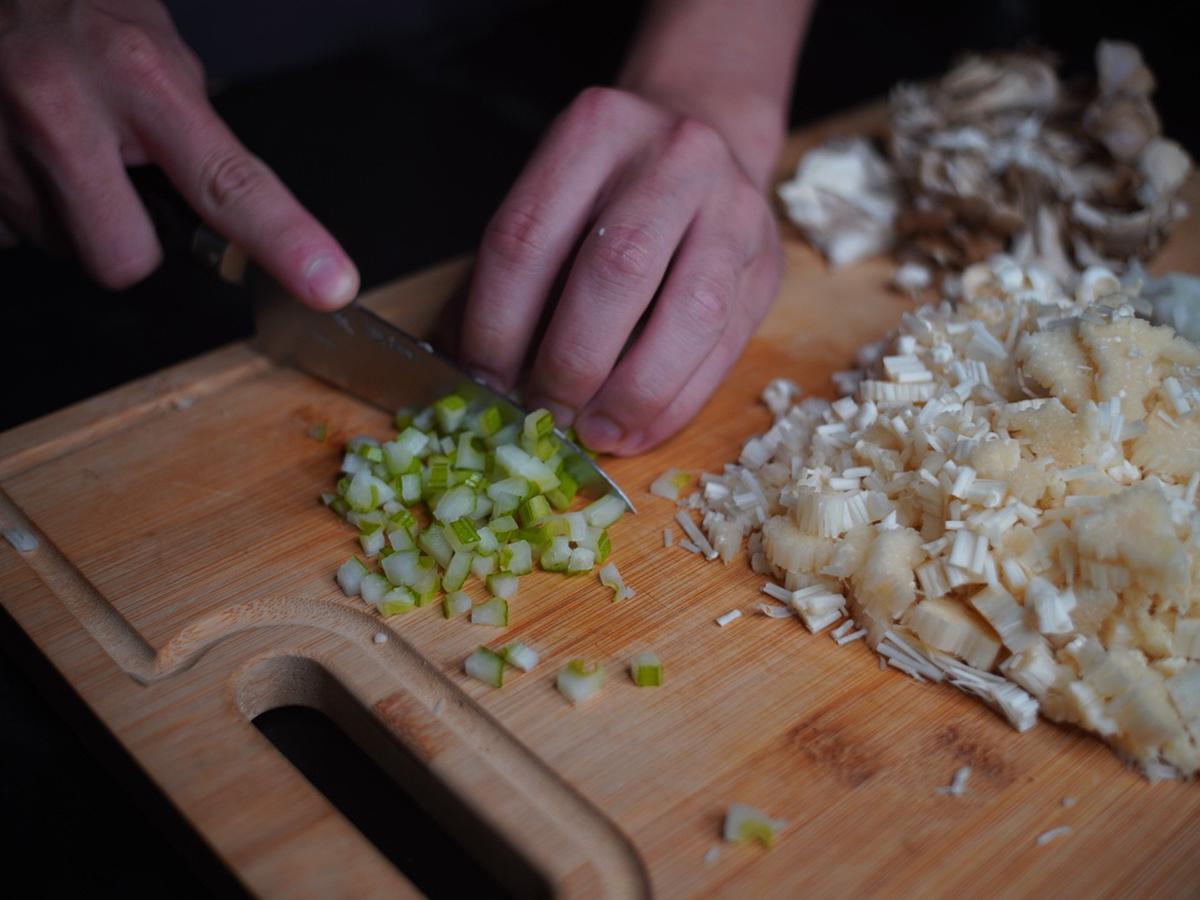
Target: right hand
(88,87)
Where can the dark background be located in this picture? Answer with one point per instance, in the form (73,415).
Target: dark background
(400,126)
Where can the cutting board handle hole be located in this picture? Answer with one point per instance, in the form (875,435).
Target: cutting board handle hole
(384,790)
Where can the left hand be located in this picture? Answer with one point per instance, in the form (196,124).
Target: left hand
(629,206)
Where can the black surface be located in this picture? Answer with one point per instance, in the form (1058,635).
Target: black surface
(403,149)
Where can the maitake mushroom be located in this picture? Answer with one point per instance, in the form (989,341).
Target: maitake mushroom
(998,156)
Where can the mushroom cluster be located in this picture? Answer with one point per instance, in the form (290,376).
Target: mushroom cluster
(998,155)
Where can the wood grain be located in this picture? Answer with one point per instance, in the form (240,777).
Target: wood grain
(183,585)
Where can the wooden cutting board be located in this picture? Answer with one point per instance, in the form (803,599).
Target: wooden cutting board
(183,585)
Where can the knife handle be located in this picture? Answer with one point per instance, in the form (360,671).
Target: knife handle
(181,232)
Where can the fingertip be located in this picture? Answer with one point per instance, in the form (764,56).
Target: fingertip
(123,270)
(330,282)
(601,433)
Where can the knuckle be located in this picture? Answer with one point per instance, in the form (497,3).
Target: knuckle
(230,176)
(626,253)
(694,138)
(576,369)
(133,52)
(518,235)
(710,301)
(597,102)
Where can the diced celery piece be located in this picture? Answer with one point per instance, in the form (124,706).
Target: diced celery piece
(520,656)
(563,495)
(603,547)
(516,558)
(458,570)
(579,680)
(581,561)
(456,503)
(505,435)
(437,476)
(494,612)
(455,603)
(410,488)
(556,556)
(374,586)
(502,585)
(464,530)
(483,566)
(401,567)
(372,541)
(486,666)
(426,583)
(515,461)
(350,576)
(533,510)
(397,601)
(450,411)
(467,455)
(503,526)
(605,511)
(488,421)
(434,542)
(577,527)
(488,544)
(646,669)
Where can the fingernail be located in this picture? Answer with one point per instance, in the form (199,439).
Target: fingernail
(600,432)
(331,282)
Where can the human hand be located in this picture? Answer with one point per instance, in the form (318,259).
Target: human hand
(89,87)
(632,206)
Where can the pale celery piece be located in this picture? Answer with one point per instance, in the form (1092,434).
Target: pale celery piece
(520,656)
(646,669)
(485,665)
(745,823)
(494,612)
(578,680)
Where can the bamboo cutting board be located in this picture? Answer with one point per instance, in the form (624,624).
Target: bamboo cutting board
(184,584)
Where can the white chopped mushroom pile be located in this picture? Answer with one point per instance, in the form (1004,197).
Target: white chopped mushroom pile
(999,155)
(1005,502)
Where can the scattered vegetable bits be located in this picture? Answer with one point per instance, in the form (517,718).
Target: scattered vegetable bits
(578,680)
(457,493)
(646,669)
(997,503)
(745,823)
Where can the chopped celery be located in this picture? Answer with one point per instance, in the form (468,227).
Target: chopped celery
(455,603)
(581,561)
(556,556)
(503,526)
(488,543)
(611,578)
(397,601)
(745,823)
(578,680)
(410,488)
(494,612)
(467,456)
(401,567)
(603,547)
(437,477)
(515,461)
(605,511)
(538,424)
(434,542)
(350,576)
(450,411)
(488,421)
(372,541)
(464,531)
(458,570)
(456,503)
(563,495)
(520,656)
(486,666)
(374,586)
(646,669)
(483,566)
(502,585)
(533,510)
(516,558)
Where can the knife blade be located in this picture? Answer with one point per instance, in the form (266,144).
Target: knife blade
(365,355)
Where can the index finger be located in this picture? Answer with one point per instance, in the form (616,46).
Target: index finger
(240,197)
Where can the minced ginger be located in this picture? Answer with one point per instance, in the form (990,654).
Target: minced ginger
(1006,503)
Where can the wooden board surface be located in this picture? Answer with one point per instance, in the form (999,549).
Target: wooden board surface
(184,584)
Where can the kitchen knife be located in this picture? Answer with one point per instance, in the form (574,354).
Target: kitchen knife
(365,355)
